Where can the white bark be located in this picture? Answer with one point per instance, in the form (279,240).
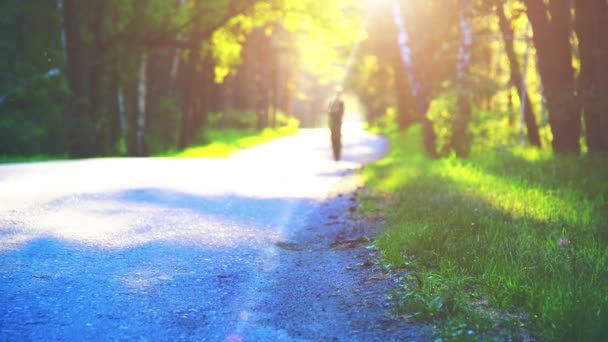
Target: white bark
(141,105)
(174,67)
(121,111)
(466,43)
(176,58)
(63,34)
(404,48)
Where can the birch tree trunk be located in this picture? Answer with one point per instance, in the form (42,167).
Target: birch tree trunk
(141,106)
(420,94)
(460,134)
(175,61)
(115,107)
(63,36)
(72,45)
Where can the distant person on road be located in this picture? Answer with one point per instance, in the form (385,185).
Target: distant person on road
(336,113)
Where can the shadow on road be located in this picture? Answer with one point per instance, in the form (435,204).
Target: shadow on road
(144,262)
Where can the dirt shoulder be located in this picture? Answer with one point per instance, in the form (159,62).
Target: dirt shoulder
(330,286)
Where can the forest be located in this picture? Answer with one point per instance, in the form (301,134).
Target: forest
(104,77)
(142,77)
(494,190)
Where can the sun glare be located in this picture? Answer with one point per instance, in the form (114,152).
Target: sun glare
(377,4)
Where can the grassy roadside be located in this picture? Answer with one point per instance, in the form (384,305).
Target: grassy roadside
(213,144)
(512,240)
(32,159)
(225,142)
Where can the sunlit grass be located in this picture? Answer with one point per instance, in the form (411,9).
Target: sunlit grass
(212,144)
(519,229)
(223,143)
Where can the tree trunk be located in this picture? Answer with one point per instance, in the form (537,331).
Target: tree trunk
(274,88)
(95,77)
(241,85)
(405,117)
(591,29)
(71,32)
(206,80)
(60,7)
(131,103)
(461,139)
(160,122)
(552,40)
(516,77)
(82,129)
(122,112)
(288,94)
(188,111)
(264,84)
(419,93)
(248,73)
(135,106)
(141,107)
(176,59)
(115,108)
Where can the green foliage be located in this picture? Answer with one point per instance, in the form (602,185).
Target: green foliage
(441,112)
(32,102)
(314,44)
(489,129)
(238,120)
(373,81)
(386,124)
(27,129)
(519,229)
(227,42)
(163,130)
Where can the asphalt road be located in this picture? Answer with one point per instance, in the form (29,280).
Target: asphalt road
(255,247)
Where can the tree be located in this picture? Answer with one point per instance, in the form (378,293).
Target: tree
(33,88)
(190,72)
(516,77)
(460,135)
(423,50)
(591,28)
(552,31)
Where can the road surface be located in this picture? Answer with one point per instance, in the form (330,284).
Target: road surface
(255,247)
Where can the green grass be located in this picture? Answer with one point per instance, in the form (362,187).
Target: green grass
(509,240)
(31,159)
(222,143)
(214,143)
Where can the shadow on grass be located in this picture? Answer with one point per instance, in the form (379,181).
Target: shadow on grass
(587,174)
(484,229)
(581,181)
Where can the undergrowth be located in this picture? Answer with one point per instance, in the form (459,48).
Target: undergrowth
(30,159)
(511,239)
(216,143)
(222,143)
